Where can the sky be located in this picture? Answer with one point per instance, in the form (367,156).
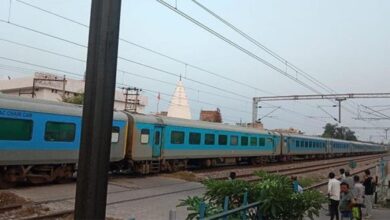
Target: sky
(343,44)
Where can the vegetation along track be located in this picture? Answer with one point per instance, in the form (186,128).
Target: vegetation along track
(304,168)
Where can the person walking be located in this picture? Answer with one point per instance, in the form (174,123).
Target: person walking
(295,185)
(346,201)
(369,189)
(358,195)
(342,173)
(232,176)
(348,179)
(334,196)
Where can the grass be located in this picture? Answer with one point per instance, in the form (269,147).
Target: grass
(184,175)
(308,181)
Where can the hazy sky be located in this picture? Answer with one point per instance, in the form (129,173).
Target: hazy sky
(343,44)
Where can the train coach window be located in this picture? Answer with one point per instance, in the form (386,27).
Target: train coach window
(194,138)
(15,129)
(222,139)
(302,144)
(244,141)
(115,134)
(261,142)
(253,141)
(157,135)
(144,139)
(234,140)
(177,137)
(209,139)
(296,143)
(59,131)
(306,144)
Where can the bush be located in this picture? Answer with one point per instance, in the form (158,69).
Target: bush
(275,193)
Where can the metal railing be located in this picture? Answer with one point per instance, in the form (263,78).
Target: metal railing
(245,211)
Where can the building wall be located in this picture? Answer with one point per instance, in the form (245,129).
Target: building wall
(53,90)
(211,116)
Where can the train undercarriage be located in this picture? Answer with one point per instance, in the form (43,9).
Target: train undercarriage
(40,174)
(35,174)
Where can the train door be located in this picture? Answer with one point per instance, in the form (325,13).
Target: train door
(329,148)
(287,144)
(157,142)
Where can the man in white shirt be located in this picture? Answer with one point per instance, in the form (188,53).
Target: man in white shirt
(334,196)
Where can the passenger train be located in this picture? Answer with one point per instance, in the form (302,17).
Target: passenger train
(39,142)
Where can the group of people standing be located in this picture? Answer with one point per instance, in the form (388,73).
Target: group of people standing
(349,195)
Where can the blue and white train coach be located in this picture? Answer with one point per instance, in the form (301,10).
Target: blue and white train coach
(39,140)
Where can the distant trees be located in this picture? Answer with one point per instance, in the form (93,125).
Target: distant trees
(76,99)
(334,131)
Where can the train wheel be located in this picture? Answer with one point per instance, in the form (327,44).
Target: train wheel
(4,184)
(206,163)
(255,161)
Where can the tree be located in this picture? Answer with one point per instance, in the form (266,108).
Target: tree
(76,99)
(333,131)
(329,130)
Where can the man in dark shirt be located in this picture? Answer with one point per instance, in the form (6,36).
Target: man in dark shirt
(346,201)
(369,189)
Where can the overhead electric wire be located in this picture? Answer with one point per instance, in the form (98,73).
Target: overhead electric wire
(52,13)
(42,50)
(82,76)
(198,101)
(137,45)
(37,65)
(237,46)
(126,41)
(178,75)
(186,16)
(150,50)
(43,33)
(269,51)
(128,60)
(119,70)
(59,38)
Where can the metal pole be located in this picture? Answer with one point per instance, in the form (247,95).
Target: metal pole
(340,100)
(93,166)
(172,214)
(254,112)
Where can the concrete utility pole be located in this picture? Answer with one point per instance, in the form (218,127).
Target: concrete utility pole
(93,166)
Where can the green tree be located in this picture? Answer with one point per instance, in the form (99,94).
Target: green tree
(76,99)
(334,131)
(329,130)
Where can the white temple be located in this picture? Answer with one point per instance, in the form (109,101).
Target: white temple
(179,107)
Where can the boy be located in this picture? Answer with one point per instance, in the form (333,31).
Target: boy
(346,201)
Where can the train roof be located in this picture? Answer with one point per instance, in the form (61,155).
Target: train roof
(304,136)
(196,123)
(45,106)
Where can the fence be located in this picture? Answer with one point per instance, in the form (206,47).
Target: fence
(245,211)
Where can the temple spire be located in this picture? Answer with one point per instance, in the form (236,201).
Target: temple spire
(179,107)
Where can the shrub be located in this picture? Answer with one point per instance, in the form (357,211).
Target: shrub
(274,192)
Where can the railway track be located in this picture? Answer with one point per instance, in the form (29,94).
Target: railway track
(247,177)
(248,174)
(325,182)
(62,213)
